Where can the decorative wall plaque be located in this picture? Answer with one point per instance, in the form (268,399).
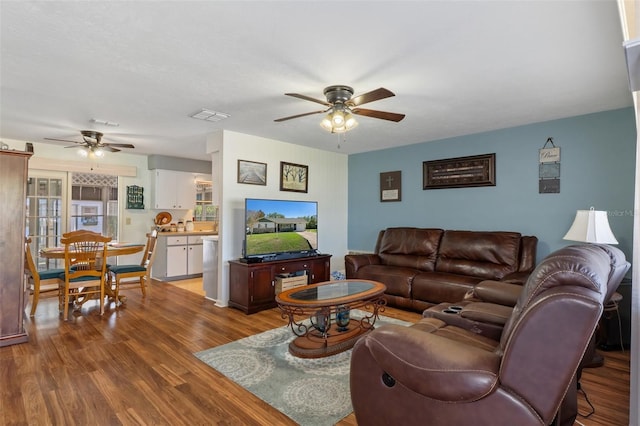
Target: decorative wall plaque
(549,169)
(391,186)
(477,170)
(135,197)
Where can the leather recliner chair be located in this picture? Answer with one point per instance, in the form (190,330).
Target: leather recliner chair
(435,373)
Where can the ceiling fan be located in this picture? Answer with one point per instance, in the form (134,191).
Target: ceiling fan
(341,104)
(92,141)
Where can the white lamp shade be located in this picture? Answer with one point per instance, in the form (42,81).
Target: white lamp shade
(591,226)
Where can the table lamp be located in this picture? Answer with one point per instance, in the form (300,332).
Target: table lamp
(591,226)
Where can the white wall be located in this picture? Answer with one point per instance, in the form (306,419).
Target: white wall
(327,185)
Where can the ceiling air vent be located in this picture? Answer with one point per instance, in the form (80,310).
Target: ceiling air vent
(208,115)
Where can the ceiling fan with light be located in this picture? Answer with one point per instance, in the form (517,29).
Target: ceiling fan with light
(342,105)
(92,144)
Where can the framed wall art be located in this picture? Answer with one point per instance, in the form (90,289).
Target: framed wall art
(391,186)
(294,177)
(252,173)
(461,172)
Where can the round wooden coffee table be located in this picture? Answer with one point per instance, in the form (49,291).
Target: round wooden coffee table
(319,314)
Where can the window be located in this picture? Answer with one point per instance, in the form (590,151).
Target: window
(94,203)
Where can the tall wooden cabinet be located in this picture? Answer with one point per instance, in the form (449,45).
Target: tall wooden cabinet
(252,286)
(13,195)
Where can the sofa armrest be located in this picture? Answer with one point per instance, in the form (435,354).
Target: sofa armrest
(516,277)
(432,365)
(353,262)
(498,292)
(492,313)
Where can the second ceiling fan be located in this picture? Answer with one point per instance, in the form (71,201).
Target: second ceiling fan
(341,104)
(92,141)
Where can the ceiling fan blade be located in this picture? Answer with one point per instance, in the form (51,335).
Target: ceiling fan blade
(63,140)
(119,145)
(71,146)
(374,95)
(307,98)
(109,148)
(391,116)
(299,115)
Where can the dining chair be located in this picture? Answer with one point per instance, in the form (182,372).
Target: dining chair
(85,270)
(39,281)
(142,271)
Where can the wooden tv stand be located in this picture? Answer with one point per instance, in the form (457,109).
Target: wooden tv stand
(252,286)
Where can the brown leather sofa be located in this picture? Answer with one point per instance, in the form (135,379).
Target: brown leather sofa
(422,267)
(440,374)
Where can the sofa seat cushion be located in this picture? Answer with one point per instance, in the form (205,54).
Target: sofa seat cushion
(397,279)
(437,287)
(489,255)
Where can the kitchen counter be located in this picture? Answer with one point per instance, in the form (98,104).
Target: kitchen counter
(181,233)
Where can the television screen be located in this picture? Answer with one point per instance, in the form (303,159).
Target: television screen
(280,226)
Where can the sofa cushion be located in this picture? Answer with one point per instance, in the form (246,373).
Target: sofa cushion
(489,255)
(436,287)
(415,248)
(397,279)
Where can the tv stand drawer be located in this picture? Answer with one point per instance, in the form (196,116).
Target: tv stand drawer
(293,267)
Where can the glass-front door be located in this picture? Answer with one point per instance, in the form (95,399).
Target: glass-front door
(46,195)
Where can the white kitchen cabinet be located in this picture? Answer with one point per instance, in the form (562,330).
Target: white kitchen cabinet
(178,256)
(176,261)
(173,189)
(194,254)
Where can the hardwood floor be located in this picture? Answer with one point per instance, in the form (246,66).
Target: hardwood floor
(194,285)
(135,365)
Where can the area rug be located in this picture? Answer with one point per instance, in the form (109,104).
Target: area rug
(312,392)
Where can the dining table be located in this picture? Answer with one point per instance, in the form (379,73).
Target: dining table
(114,249)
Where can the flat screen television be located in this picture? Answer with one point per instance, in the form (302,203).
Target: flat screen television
(280,229)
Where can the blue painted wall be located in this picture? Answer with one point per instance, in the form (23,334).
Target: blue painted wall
(596,169)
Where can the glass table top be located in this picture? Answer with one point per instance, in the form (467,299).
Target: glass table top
(332,291)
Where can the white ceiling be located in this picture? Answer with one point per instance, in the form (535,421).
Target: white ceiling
(456,67)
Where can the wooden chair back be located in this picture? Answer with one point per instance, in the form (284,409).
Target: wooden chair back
(85,264)
(150,250)
(78,232)
(38,281)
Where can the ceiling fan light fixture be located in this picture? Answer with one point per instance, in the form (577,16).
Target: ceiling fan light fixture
(350,121)
(339,120)
(326,123)
(91,152)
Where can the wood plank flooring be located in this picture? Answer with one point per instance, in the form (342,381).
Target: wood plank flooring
(135,366)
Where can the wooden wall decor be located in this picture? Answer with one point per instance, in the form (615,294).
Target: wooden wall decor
(461,172)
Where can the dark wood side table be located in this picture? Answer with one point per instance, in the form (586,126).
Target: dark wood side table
(614,331)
